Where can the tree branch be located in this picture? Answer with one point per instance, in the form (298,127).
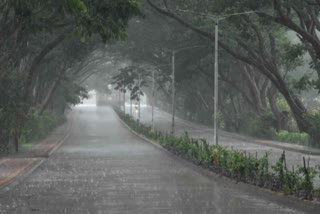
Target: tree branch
(49,47)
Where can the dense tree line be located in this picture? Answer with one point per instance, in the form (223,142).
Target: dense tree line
(260,65)
(267,82)
(43,47)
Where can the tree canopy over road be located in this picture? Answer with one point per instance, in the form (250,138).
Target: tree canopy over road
(269,59)
(259,43)
(42,45)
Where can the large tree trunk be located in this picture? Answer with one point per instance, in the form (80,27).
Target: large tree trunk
(297,108)
(254,89)
(272,96)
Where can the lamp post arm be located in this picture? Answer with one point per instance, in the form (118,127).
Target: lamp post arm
(218,17)
(188,48)
(225,16)
(174,52)
(180,20)
(153,101)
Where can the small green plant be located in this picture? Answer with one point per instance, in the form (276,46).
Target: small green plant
(307,175)
(279,170)
(262,170)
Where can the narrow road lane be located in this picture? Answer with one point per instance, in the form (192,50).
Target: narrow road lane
(103,168)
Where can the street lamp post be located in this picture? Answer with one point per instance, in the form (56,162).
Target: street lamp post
(119,100)
(139,98)
(216,68)
(153,100)
(217,19)
(153,92)
(173,91)
(124,101)
(174,52)
(153,95)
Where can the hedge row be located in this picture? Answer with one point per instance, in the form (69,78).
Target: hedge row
(237,165)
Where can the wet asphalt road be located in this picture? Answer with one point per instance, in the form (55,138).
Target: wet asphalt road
(103,168)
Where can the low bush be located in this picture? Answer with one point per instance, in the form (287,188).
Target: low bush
(139,127)
(261,127)
(4,144)
(293,137)
(314,130)
(236,164)
(39,125)
(36,126)
(4,132)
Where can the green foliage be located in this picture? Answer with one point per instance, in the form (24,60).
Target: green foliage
(292,55)
(4,143)
(77,6)
(303,83)
(109,19)
(293,137)
(314,121)
(42,64)
(139,127)
(282,104)
(258,126)
(295,181)
(236,164)
(132,78)
(39,125)
(36,126)
(74,94)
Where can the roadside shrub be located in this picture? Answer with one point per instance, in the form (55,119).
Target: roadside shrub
(292,137)
(261,127)
(237,164)
(139,127)
(4,141)
(4,144)
(39,125)
(314,130)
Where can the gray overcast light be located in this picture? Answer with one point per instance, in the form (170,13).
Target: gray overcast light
(159,107)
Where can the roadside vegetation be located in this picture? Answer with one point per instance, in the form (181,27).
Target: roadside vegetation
(47,50)
(268,64)
(293,137)
(238,165)
(37,126)
(268,60)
